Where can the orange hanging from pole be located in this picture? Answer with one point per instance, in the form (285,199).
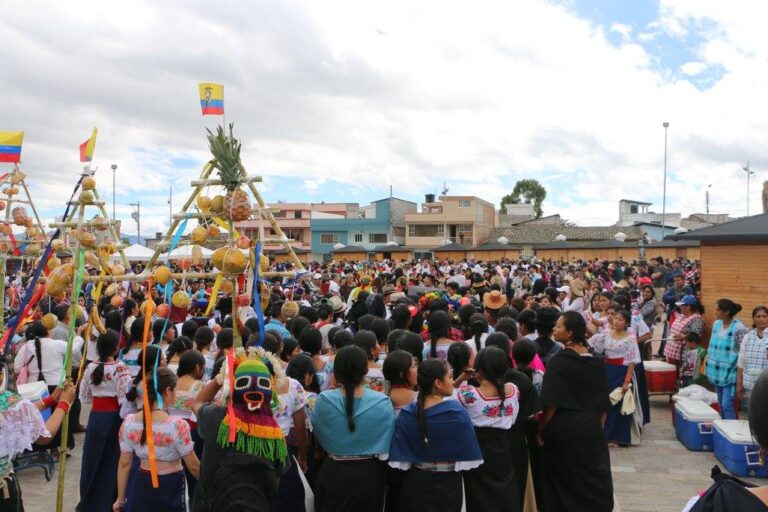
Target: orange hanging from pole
(147,407)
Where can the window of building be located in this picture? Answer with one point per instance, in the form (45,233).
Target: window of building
(297,214)
(358,237)
(465,204)
(329,238)
(279,215)
(464,228)
(377,238)
(431,230)
(633,208)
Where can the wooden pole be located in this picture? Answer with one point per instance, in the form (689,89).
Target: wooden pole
(76,280)
(112,231)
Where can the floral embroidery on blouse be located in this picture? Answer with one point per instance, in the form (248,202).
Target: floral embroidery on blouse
(467,395)
(172,438)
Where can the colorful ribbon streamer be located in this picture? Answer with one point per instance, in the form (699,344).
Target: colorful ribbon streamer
(256,291)
(147,407)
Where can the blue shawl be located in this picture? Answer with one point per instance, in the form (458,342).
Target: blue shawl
(451,435)
(374,422)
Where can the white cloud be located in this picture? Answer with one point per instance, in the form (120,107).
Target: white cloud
(622,29)
(693,68)
(347,96)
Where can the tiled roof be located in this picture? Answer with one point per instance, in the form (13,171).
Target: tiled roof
(350,248)
(496,246)
(609,244)
(533,234)
(390,248)
(296,250)
(754,228)
(449,247)
(675,243)
(558,244)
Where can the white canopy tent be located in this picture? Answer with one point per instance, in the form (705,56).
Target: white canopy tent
(185,251)
(135,252)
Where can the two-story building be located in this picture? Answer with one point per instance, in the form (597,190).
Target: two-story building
(464,220)
(377,224)
(294,220)
(632,212)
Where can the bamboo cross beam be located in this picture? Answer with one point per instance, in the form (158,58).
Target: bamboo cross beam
(175,275)
(242,181)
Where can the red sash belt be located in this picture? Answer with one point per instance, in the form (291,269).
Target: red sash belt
(618,361)
(105,404)
(192,424)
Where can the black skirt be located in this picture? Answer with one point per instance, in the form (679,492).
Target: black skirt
(575,464)
(492,486)
(431,491)
(351,486)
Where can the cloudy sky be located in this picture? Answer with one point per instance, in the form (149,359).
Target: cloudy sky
(338,100)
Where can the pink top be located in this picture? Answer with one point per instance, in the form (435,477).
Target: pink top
(536,364)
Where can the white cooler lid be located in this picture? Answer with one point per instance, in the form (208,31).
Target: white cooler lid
(32,390)
(736,431)
(696,410)
(658,366)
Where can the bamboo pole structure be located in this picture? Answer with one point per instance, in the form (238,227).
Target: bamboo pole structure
(76,278)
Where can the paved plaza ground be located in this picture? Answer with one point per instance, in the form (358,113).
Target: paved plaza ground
(660,475)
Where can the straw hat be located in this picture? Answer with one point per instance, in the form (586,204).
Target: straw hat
(577,287)
(290,310)
(337,304)
(494,300)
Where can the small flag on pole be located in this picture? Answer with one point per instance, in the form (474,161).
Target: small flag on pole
(10,146)
(87,147)
(212,99)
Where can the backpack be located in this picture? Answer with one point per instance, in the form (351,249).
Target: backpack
(728,493)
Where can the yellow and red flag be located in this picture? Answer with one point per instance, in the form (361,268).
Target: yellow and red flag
(211,99)
(87,147)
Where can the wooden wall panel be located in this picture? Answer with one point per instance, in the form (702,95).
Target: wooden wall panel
(733,272)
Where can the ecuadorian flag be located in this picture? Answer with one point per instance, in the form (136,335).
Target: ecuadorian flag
(87,147)
(212,99)
(10,146)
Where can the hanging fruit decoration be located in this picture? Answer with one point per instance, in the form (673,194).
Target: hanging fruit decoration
(49,321)
(57,245)
(204,203)
(87,239)
(20,217)
(229,260)
(243,300)
(117,269)
(59,279)
(99,223)
(226,286)
(217,204)
(18,176)
(243,242)
(162,274)
(213,231)
(163,310)
(87,197)
(199,235)
(180,299)
(10,191)
(116,301)
(88,183)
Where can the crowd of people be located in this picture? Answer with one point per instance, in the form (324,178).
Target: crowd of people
(403,386)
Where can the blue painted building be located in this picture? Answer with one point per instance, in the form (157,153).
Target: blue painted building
(377,224)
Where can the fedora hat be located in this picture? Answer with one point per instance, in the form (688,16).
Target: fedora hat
(388,289)
(494,300)
(337,304)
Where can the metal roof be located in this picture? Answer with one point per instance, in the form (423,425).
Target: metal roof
(754,228)
(449,247)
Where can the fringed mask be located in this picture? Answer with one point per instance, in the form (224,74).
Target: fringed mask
(249,426)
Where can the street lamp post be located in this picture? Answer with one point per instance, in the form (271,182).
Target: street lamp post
(664,197)
(708,187)
(114,168)
(749,172)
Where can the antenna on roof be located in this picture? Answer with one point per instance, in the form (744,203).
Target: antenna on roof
(445,189)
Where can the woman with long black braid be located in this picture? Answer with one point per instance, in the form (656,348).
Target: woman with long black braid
(354,425)
(425,444)
(493,407)
(104,385)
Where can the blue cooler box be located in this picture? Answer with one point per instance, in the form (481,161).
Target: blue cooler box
(736,448)
(33,392)
(693,424)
